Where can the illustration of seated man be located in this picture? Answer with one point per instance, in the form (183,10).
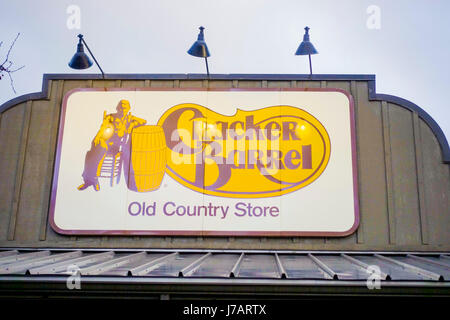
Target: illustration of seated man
(110,138)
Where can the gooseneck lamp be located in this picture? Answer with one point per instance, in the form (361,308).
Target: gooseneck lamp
(306,48)
(200,49)
(80,59)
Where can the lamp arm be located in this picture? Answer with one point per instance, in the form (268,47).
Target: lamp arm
(310,66)
(96,62)
(207,68)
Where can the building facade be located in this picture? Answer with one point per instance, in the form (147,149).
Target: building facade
(402,159)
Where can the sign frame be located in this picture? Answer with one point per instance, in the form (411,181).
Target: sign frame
(57,160)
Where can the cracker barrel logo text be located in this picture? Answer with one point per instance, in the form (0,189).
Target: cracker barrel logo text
(252,154)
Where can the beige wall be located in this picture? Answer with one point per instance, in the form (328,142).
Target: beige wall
(404,186)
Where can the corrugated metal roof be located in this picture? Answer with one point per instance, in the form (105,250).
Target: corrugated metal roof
(228,265)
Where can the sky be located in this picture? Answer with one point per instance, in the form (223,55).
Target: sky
(405,43)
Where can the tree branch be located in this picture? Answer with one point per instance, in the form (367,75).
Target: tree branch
(5,67)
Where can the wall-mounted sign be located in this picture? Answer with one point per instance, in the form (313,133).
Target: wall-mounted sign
(206,162)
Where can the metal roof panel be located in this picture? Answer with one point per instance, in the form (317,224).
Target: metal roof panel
(227,264)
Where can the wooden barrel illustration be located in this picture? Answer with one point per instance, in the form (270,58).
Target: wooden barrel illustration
(147,158)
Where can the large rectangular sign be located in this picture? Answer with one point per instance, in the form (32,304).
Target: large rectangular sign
(251,162)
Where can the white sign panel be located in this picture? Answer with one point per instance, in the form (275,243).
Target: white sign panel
(206,162)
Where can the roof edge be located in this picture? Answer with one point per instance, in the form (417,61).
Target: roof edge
(44,93)
(201,76)
(435,128)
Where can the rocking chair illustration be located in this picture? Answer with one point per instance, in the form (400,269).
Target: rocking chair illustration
(112,164)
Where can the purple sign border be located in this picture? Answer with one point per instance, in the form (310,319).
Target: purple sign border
(203,232)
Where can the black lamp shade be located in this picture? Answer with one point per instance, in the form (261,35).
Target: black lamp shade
(80,60)
(199,48)
(306,47)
